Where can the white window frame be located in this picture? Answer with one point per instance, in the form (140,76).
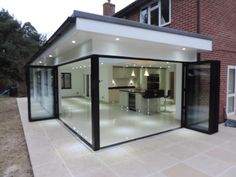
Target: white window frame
(152,9)
(228,95)
(148,6)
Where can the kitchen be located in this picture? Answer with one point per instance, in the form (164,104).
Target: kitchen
(142,87)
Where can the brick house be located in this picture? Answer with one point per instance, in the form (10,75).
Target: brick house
(116,78)
(214,18)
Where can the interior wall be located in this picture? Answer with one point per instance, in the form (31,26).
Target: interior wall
(76,86)
(105,72)
(78,70)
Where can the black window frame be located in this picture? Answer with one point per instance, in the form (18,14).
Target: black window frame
(63,86)
(55,92)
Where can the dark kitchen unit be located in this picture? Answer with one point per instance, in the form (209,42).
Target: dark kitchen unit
(153,82)
(132,102)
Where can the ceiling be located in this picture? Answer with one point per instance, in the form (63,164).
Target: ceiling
(119,62)
(110,39)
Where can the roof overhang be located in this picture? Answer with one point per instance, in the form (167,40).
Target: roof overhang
(96,34)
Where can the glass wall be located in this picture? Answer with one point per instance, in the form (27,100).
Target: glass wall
(41,93)
(137,98)
(198,98)
(75,97)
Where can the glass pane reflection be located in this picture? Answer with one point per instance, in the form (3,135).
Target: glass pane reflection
(41,93)
(198,81)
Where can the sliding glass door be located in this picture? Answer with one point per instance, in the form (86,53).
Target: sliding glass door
(201,96)
(42,93)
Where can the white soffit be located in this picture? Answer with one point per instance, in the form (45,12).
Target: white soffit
(130,32)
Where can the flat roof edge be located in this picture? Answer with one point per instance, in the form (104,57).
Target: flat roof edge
(125,22)
(66,24)
(113,20)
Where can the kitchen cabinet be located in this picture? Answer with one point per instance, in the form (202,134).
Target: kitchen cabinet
(114,96)
(124,99)
(153,82)
(123,73)
(141,104)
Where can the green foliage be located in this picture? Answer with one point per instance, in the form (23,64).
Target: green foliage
(17,45)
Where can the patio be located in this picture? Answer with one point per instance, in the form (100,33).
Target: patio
(55,152)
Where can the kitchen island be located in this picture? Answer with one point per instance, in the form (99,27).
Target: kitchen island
(133,99)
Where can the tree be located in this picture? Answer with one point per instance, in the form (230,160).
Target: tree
(17,45)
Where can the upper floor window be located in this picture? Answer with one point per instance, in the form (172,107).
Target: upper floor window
(156,13)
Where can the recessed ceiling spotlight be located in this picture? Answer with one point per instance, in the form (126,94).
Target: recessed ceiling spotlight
(134,65)
(150,65)
(117,39)
(50,56)
(76,68)
(73,68)
(80,67)
(102,63)
(73,42)
(40,62)
(167,62)
(183,48)
(127,65)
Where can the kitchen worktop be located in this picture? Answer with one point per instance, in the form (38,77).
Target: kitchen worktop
(121,87)
(133,90)
(133,99)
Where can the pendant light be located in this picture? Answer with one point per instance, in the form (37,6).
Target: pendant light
(133,74)
(146,72)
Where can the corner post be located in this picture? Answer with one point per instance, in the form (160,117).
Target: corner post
(27,80)
(95,102)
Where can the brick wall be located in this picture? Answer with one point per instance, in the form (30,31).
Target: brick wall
(133,15)
(217,20)
(184,15)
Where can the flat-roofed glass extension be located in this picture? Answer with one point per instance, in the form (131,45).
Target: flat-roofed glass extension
(108,101)
(110,80)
